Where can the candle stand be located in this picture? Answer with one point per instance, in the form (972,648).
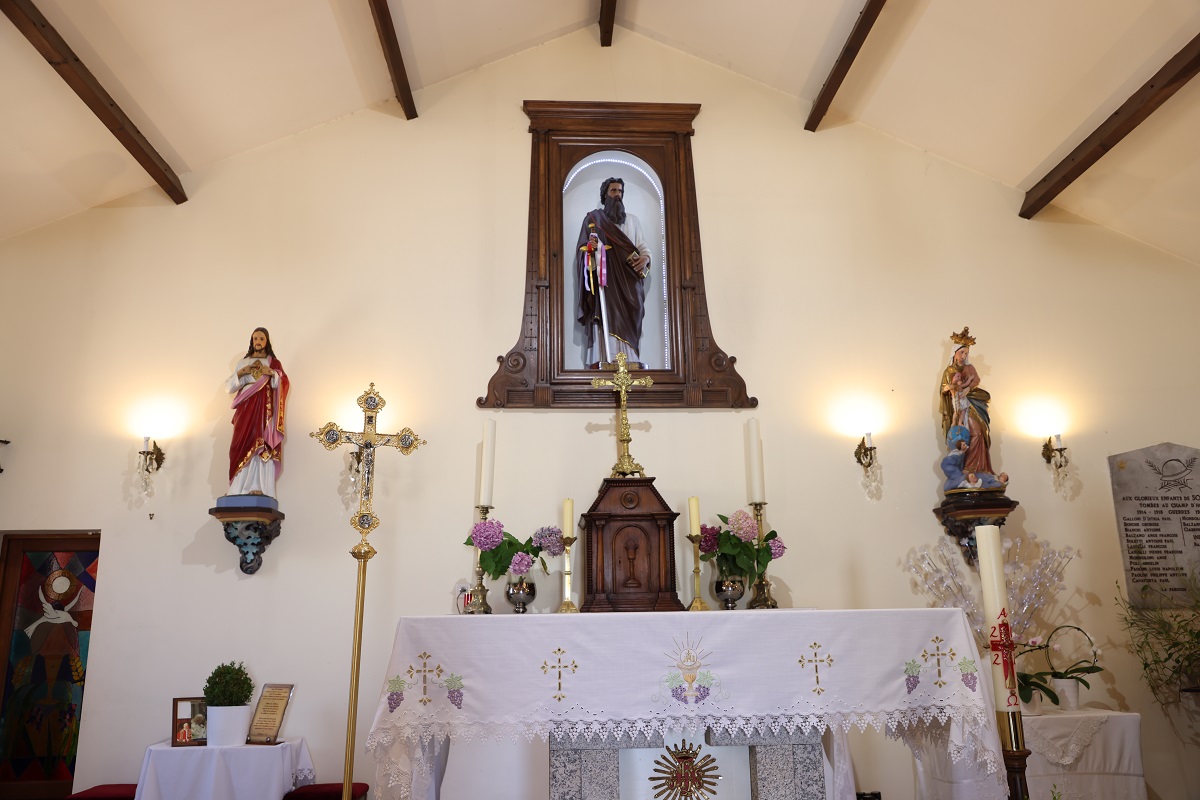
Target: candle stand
(762,587)
(478,603)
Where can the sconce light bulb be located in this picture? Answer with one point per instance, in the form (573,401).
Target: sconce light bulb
(869,442)
(1058,441)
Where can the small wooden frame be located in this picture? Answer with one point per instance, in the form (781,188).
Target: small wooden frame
(189,716)
(268,714)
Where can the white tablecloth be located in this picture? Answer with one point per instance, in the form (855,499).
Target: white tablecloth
(242,772)
(1089,754)
(911,672)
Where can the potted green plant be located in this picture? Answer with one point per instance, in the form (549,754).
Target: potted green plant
(1065,680)
(227,694)
(1164,635)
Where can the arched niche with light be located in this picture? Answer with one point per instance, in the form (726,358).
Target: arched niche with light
(575,146)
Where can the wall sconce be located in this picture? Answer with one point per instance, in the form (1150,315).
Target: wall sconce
(150,460)
(4,442)
(864,454)
(1055,455)
(872,481)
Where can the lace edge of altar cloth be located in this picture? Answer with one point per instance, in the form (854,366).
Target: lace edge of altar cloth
(405,756)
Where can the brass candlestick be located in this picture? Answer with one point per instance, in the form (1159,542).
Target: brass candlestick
(762,587)
(698,603)
(478,603)
(567,606)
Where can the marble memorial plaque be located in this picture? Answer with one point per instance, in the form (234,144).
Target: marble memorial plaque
(1156,494)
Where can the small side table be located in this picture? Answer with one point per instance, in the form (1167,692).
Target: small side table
(1089,754)
(242,772)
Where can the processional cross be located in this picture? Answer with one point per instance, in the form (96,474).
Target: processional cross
(621,383)
(365,521)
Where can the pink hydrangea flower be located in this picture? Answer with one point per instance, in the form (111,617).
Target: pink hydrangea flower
(708,538)
(743,526)
(488,533)
(777,548)
(521,563)
(550,540)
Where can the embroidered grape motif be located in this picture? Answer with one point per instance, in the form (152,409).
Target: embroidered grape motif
(396,687)
(970,676)
(971,680)
(454,689)
(701,693)
(912,675)
(456,697)
(678,693)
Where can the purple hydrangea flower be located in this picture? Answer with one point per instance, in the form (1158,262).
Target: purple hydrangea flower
(488,533)
(743,526)
(521,563)
(777,548)
(708,538)
(549,539)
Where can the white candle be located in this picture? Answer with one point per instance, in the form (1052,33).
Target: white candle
(758,494)
(487,463)
(995,613)
(568,526)
(1058,441)
(869,442)
(145,444)
(694,515)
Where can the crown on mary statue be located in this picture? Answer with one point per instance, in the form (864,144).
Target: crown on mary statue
(963,339)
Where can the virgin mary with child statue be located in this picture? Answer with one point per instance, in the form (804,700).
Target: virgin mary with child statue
(966,424)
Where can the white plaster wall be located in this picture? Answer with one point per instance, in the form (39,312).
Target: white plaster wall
(382,250)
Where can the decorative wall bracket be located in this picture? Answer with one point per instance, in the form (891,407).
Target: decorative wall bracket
(251,530)
(961,511)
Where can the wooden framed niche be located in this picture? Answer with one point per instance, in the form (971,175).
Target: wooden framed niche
(576,145)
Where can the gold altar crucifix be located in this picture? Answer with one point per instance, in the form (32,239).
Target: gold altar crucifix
(365,521)
(621,383)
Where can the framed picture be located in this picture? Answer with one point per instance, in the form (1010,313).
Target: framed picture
(189,722)
(268,714)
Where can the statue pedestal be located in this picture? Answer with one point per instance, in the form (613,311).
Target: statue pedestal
(251,523)
(963,509)
(630,549)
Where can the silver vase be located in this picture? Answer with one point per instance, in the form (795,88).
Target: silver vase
(729,589)
(519,593)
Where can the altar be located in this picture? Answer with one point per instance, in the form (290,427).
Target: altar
(913,673)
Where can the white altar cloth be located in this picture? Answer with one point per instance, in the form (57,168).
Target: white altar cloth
(240,772)
(913,672)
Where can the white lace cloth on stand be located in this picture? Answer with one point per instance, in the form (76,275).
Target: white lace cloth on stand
(1061,739)
(913,672)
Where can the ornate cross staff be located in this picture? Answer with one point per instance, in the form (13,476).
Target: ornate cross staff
(365,521)
(621,383)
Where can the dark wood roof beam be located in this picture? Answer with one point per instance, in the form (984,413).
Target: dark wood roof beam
(841,67)
(1182,67)
(608,15)
(391,54)
(47,41)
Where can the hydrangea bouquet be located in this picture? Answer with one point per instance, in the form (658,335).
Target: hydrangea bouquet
(501,552)
(737,548)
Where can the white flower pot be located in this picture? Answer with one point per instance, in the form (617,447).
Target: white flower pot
(228,725)
(1034,707)
(1067,690)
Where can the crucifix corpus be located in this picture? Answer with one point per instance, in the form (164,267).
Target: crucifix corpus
(364,521)
(621,383)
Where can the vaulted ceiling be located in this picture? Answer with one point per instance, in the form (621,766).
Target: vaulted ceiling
(1084,104)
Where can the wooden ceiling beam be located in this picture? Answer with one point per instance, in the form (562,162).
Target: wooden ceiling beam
(391,54)
(1182,67)
(608,15)
(47,41)
(841,67)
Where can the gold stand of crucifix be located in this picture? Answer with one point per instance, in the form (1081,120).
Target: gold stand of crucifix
(364,521)
(621,382)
